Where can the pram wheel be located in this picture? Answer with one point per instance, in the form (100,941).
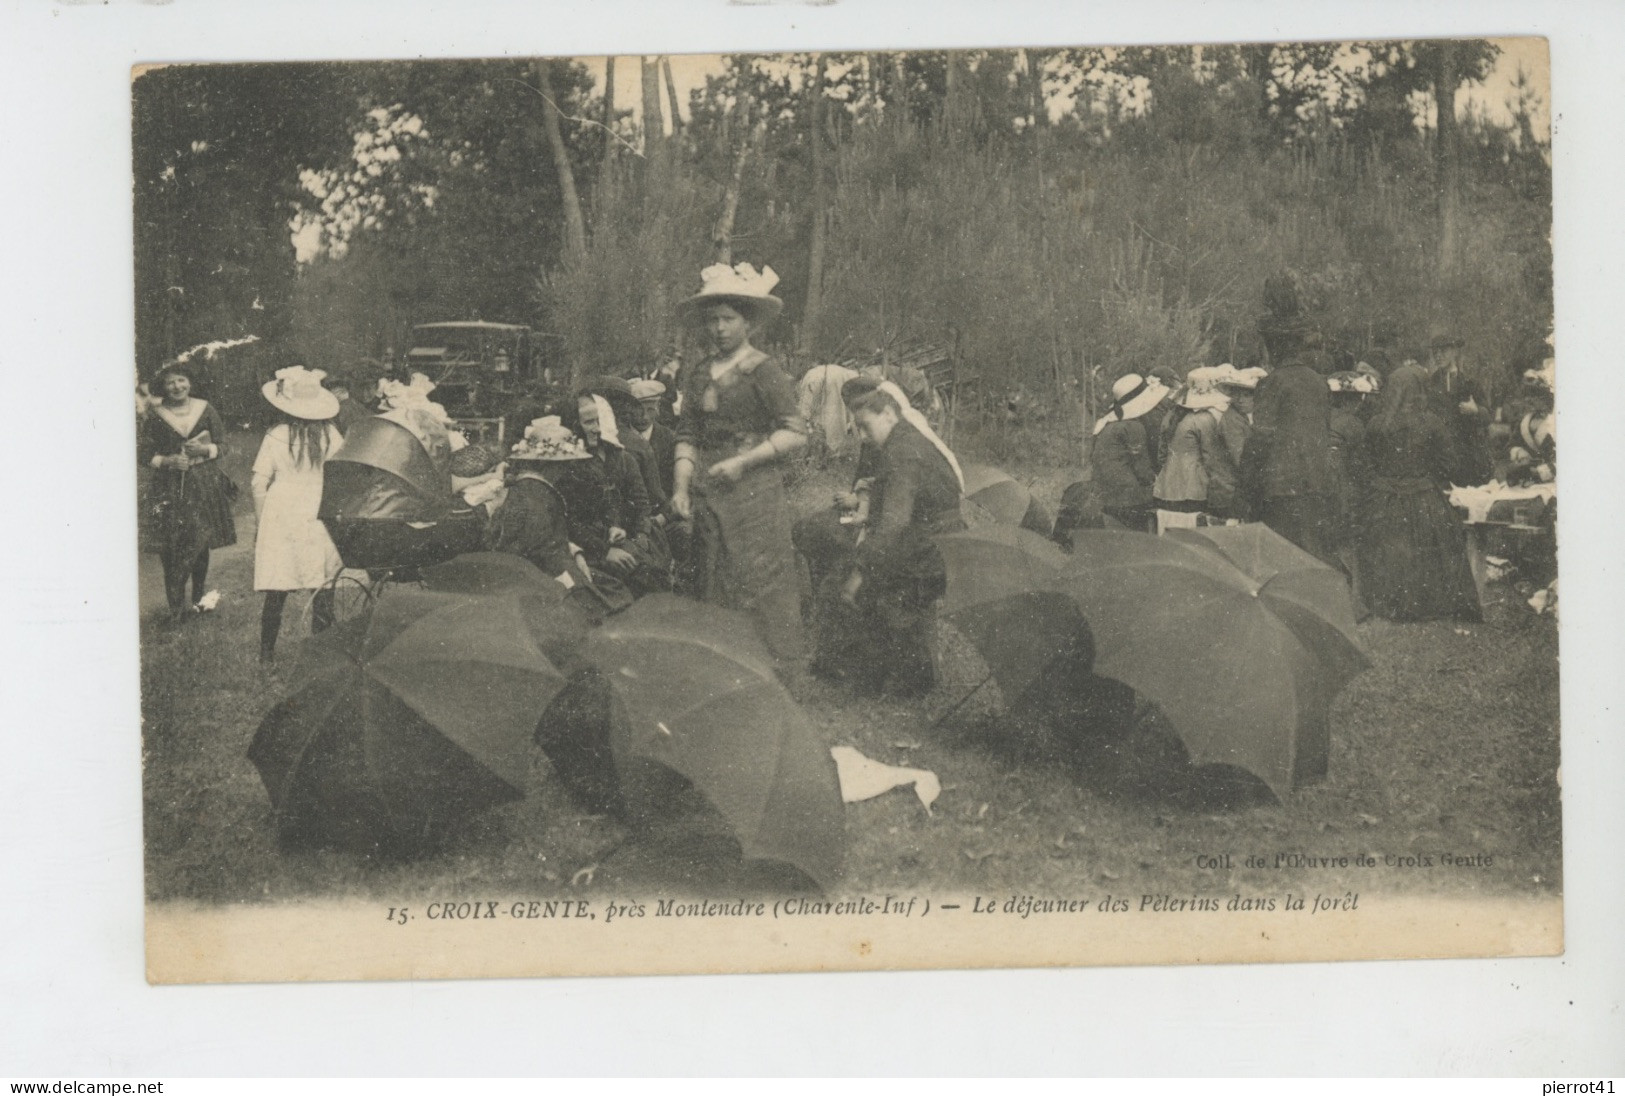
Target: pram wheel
(355,591)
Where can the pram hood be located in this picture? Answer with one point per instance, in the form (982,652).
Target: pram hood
(383,472)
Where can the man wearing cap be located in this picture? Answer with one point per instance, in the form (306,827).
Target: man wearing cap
(662,439)
(1461,402)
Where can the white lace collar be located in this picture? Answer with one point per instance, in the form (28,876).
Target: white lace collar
(183,424)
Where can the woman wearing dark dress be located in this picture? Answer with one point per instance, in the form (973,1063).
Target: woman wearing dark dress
(1351,473)
(533,521)
(739,422)
(186,510)
(637,540)
(897,572)
(1123,454)
(1413,558)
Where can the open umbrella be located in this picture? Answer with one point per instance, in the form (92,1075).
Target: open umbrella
(1245,668)
(489,573)
(1308,595)
(695,694)
(1002,597)
(417,713)
(1007,501)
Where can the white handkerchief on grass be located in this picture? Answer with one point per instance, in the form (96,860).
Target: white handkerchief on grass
(864,778)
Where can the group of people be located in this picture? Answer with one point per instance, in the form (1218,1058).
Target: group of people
(1353,466)
(186,507)
(616,490)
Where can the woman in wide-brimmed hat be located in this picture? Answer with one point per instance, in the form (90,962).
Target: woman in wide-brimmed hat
(1123,455)
(738,424)
(186,508)
(534,520)
(292,549)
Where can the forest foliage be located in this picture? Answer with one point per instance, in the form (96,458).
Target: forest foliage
(1053,218)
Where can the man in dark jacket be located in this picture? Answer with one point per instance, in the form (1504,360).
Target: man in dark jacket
(662,439)
(1462,403)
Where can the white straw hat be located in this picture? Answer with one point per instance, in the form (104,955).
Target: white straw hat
(298,392)
(737,285)
(1132,396)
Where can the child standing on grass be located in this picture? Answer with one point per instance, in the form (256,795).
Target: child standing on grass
(292,550)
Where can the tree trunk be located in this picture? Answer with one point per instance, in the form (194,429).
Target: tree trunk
(575,226)
(1447,152)
(671,94)
(1258,58)
(722,237)
(820,202)
(1040,113)
(900,87)
(609,109)
(654,126)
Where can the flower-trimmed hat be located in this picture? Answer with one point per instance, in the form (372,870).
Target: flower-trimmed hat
(1248,378)
(1352,380)
(1132,396)
(739,286)
(548,439)
(298,391)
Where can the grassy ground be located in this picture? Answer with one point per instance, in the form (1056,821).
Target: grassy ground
(1446,747)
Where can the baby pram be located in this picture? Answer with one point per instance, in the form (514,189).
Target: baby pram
(389,510)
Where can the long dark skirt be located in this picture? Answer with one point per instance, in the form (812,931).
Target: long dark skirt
(1309,521)
(1413,556)
(740,556)
(653,572)
(887,641)
(185,513)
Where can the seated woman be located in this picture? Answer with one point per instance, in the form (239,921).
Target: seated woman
(633,430)
(632,549)
(898,575)
(533,521)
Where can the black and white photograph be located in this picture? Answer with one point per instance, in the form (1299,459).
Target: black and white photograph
(849,510)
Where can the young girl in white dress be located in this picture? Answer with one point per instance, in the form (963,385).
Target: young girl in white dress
(292,550)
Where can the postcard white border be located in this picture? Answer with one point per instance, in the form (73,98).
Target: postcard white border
(70,927)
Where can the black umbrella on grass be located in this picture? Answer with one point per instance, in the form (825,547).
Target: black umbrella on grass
(415,715)
(1244,660)
(693,693)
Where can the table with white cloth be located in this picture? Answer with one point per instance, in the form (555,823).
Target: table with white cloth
(1518,523)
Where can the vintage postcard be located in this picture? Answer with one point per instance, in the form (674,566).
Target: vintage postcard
(872,511)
